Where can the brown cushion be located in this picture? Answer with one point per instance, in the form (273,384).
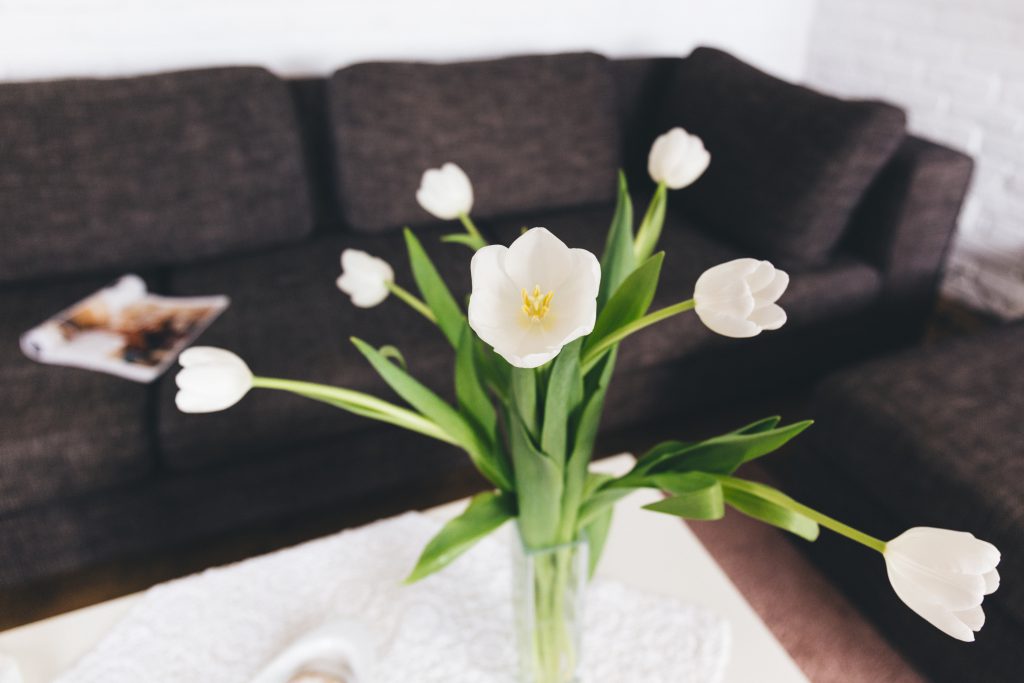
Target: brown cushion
(788,164)
(531,132)
(110,174)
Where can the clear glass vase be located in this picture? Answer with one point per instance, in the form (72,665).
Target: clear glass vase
(549,594)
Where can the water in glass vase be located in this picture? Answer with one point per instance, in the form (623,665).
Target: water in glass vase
(549,594)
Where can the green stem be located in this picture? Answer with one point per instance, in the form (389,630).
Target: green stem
(472,230)
(415,302)
(359,403)
(785,501)
(594,354)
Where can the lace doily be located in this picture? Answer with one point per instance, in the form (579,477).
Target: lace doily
(225,624)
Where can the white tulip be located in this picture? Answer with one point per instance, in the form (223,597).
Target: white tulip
(364,278)
(677,159)
(211,379)
(737,298)
(533,297)
(943,576)
(445,192)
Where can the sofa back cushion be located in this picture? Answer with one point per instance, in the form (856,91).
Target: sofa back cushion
(125,173)
(532,133)
(788,164)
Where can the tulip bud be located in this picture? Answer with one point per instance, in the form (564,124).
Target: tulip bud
(364,278)
(677,159)
(211,379)
(445,192)
(737,298)
(943,576)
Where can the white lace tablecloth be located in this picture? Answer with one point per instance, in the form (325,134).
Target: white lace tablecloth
(226,623)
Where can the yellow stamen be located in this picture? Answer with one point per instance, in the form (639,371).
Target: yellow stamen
(535,305)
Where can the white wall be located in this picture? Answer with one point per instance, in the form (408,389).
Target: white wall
(958,69)
(56,38)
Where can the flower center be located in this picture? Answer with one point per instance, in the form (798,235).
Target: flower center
(535,304)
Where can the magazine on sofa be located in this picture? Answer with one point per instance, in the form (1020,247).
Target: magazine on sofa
(123,330)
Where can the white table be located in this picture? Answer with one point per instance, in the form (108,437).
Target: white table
(651,551)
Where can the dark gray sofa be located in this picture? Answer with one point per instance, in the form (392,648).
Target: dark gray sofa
(234,181)
(924,437)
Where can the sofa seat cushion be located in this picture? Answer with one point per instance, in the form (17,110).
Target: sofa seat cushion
(130,172)
(938,436)
(288,319)
(788,164)
(815,296)
(536,132)
(63,431)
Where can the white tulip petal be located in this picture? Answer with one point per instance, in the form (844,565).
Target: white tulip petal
(950,590)
(770,317)
(538,258)
(771,292)
(761,276)
(991,581)
(947,549)
(194,403)
(728,326)
(945,621)
(364,278)
(973,618)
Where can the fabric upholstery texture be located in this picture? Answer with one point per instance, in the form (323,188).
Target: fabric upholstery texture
(133,172)
(938,436)
(788,164)
(531,132)
(63,432)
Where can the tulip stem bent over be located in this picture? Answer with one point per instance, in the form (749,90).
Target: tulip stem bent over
(782,500)
(838,527)
(360,404)
(593,355)
(478,241)
(415,302)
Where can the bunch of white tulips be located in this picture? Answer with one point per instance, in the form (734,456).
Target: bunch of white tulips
(533,300)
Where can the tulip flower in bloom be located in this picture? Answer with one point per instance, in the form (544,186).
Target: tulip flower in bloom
(943,576)
(677,159)
(533,297)
(445,192)
(737,298)
(366,279)
(211,379)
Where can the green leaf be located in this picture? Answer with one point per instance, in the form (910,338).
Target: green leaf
(524,397)
(392,353)
(695,495)
(772,513)
(629,302)
(471,241)
(434,291)
(597,534)
(649,233)
(617,261)
(595,504)
(564,393)
(437,409)
(583,438)
(473,400)
(762,425)
(539,483)
(486,512)
(723,454)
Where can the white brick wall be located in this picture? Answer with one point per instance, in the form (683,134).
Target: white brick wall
(958,69)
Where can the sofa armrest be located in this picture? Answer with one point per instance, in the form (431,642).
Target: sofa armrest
(906,222)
